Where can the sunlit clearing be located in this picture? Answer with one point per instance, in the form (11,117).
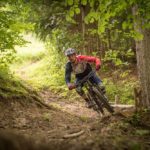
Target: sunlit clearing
(32,48)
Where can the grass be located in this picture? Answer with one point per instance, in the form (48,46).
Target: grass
(43,69)
(13,88)
(123,89)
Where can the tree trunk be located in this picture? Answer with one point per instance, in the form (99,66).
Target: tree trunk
(143,60)
(83,26)
(109,38)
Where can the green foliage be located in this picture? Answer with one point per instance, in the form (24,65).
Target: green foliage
(62,39)
(47,16)
(91,17)
(32,58)
(124,90)
(142,132)
(114,16)
(44,69)
(12,25)
(84,2)
(136,119)
(116,57)
(69,2)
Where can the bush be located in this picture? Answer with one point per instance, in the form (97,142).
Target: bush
(122,89)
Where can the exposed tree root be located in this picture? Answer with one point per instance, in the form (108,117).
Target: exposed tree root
(73,135)
(40,103)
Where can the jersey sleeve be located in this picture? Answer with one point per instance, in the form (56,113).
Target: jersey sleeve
(68,71)
(90,59)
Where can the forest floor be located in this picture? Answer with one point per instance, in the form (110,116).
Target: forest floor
(29,125)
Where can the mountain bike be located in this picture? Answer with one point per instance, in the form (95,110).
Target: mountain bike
(96,96)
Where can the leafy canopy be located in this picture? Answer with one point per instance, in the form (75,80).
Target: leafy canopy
(12,22)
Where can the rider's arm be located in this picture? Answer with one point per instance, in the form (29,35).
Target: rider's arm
(68,73)
(90,59)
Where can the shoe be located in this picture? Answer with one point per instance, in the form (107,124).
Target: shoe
(89,104)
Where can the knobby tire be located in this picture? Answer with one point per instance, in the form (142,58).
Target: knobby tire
(93,98)
(103,100)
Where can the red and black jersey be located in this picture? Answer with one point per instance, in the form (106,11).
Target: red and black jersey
(82,68)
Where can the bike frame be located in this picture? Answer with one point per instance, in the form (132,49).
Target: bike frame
(99,99)
(89,87)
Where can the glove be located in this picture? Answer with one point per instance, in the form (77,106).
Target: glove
(71,86)
(98,67)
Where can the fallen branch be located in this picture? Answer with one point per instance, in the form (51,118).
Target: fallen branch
(122,106)
(73,135)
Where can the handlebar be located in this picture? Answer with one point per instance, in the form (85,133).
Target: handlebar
(85,78)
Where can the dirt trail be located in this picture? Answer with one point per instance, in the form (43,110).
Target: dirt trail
(51,126)
(77,107)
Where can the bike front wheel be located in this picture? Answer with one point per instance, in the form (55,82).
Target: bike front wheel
(96,105)
(103,100)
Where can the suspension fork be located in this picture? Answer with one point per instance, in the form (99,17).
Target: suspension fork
(89,88)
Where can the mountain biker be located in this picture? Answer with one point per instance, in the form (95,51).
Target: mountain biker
(80,66)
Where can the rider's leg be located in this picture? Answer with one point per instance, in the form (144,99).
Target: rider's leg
(98,81)
(81,92)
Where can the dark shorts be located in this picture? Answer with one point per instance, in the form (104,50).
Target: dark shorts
(94,79)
